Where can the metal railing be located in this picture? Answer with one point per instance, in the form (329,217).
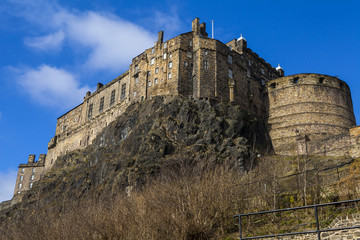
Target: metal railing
(318,231)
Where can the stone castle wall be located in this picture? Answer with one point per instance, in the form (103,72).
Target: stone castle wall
(190,64)
(308,108)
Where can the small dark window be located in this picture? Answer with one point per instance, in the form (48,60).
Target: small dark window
(101,107)
(112,97)
(206,64)
(295,80)
(123,91)
(90,110)
(341,85)
(273,85)
(142,98)
(321,80)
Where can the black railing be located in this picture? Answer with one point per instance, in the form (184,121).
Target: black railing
(318,231)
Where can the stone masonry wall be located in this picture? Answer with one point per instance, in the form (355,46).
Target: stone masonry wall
(312,105)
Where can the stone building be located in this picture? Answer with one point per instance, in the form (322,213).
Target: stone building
(312,114)
(29,173)
(191,64)
(307,113)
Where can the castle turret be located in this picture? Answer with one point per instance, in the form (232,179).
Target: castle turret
(280,70)
(241,44)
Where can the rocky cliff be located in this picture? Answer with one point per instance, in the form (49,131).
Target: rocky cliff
(152,137)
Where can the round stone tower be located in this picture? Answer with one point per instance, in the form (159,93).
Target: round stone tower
(307,107)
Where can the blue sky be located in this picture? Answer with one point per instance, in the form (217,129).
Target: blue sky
(52,52)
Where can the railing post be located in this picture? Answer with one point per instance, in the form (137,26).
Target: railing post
(317,222)
(240,233)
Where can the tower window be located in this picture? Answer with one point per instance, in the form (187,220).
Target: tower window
(136,68)
(321,80)
(21,178)
(90,110)
(112,97)
(123,91)
(273,85)
(170,55)
(169,75)
(206,64)
(149,83)
(165,45)
(230,59)
(248,73)
(186,63)
(152,61)
(152,51)
(156,70)
(32,177)
(295,80)
(170,64)
(136,79)
(164,55)
(101,107)
(230,73)
(155,81)
(20,185)
(31,185)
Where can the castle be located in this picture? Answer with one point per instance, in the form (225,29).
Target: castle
(307,113)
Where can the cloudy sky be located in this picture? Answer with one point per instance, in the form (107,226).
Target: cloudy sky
(52,52)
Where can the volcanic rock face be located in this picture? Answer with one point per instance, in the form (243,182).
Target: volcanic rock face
(149,138)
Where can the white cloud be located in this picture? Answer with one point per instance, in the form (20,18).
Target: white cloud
(113,42)
(51,41)
(7,180)
(51,86)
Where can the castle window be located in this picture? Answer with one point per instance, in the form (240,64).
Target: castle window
(169,75)
(206,64)
(142,98)
(230,47)
(230,73)
(31,185)
(341,85)
(249,62)
(152,50)
(136,68)
(20,185)
(262,71)
(101,106)
(170,64)
(19,192)
(136,79)
(189,55)
(90,110)
(262,82)
(32,177)
(165,45)
(321,80)
(186,63)
(149,83)
(170,55)
(33,170)
(295,80)
(74,119)
(190,43)
(134,93)
(123,91)
(21,178)
(248,73)
(155,81)
(112,97)
(273,85)
(152,61)
(156,70)
(148,73)
(164,55)
(230,59)
(22,170)
(205,52)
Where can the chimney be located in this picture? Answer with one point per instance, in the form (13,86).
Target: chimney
(42,158)
(195,26)
(31,158)
(203,30)
(160,37)
(99,85)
